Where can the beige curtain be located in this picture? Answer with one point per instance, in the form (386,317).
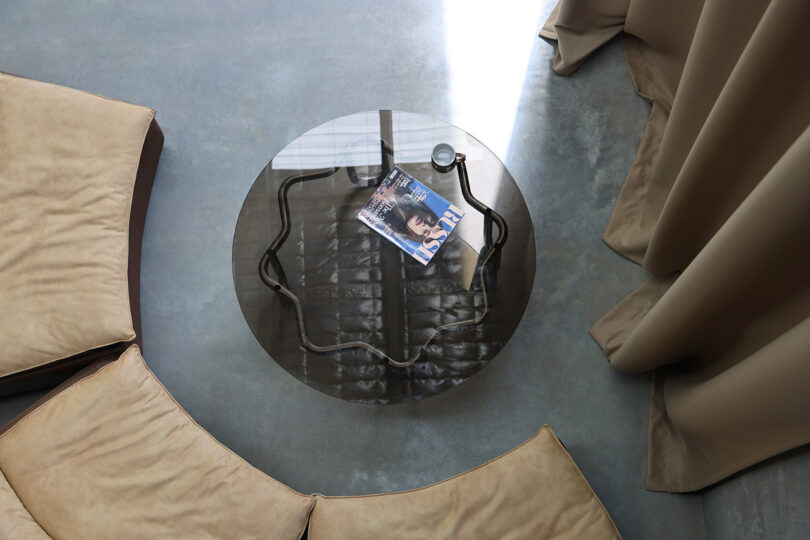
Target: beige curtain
(717,207)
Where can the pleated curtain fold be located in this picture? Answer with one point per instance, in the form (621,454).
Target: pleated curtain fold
(717,207)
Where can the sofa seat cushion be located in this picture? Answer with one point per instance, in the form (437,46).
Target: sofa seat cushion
(114,456)
(15,521)
(534,491)
(68,164)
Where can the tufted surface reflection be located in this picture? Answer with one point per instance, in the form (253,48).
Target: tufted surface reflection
(356,286)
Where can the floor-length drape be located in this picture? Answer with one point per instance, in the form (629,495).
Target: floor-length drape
(717,206)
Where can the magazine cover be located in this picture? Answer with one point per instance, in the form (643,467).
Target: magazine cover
(410,215)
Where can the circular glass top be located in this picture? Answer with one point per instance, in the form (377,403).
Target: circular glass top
(332,280)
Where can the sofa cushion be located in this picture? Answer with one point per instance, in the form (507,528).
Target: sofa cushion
(15,521)
(114,456)
(68,164)
(534,491)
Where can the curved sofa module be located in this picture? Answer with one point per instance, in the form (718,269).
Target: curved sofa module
(532,491)
(112,455)
(109,453)
(76,172)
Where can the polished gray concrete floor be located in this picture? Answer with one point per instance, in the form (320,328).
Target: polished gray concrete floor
(234,82)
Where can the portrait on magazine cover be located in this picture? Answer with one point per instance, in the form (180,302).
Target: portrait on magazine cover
(410,215)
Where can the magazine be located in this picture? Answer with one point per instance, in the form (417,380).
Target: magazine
(410,215)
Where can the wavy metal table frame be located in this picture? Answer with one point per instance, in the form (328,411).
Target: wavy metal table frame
(270,257)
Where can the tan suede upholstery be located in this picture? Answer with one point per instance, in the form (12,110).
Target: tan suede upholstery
(15,521)
(535,491)
(114,456)
(68,163)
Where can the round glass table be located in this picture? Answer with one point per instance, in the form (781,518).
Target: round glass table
(346,311)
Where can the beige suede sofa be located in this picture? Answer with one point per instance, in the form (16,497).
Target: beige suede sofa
(76,171)
(108,453)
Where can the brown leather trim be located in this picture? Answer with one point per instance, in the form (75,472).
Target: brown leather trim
(82,374)
(150,155)
(55,372)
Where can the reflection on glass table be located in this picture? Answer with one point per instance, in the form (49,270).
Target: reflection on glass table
(346,311)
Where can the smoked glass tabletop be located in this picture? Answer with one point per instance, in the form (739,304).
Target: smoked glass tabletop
(353,285)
